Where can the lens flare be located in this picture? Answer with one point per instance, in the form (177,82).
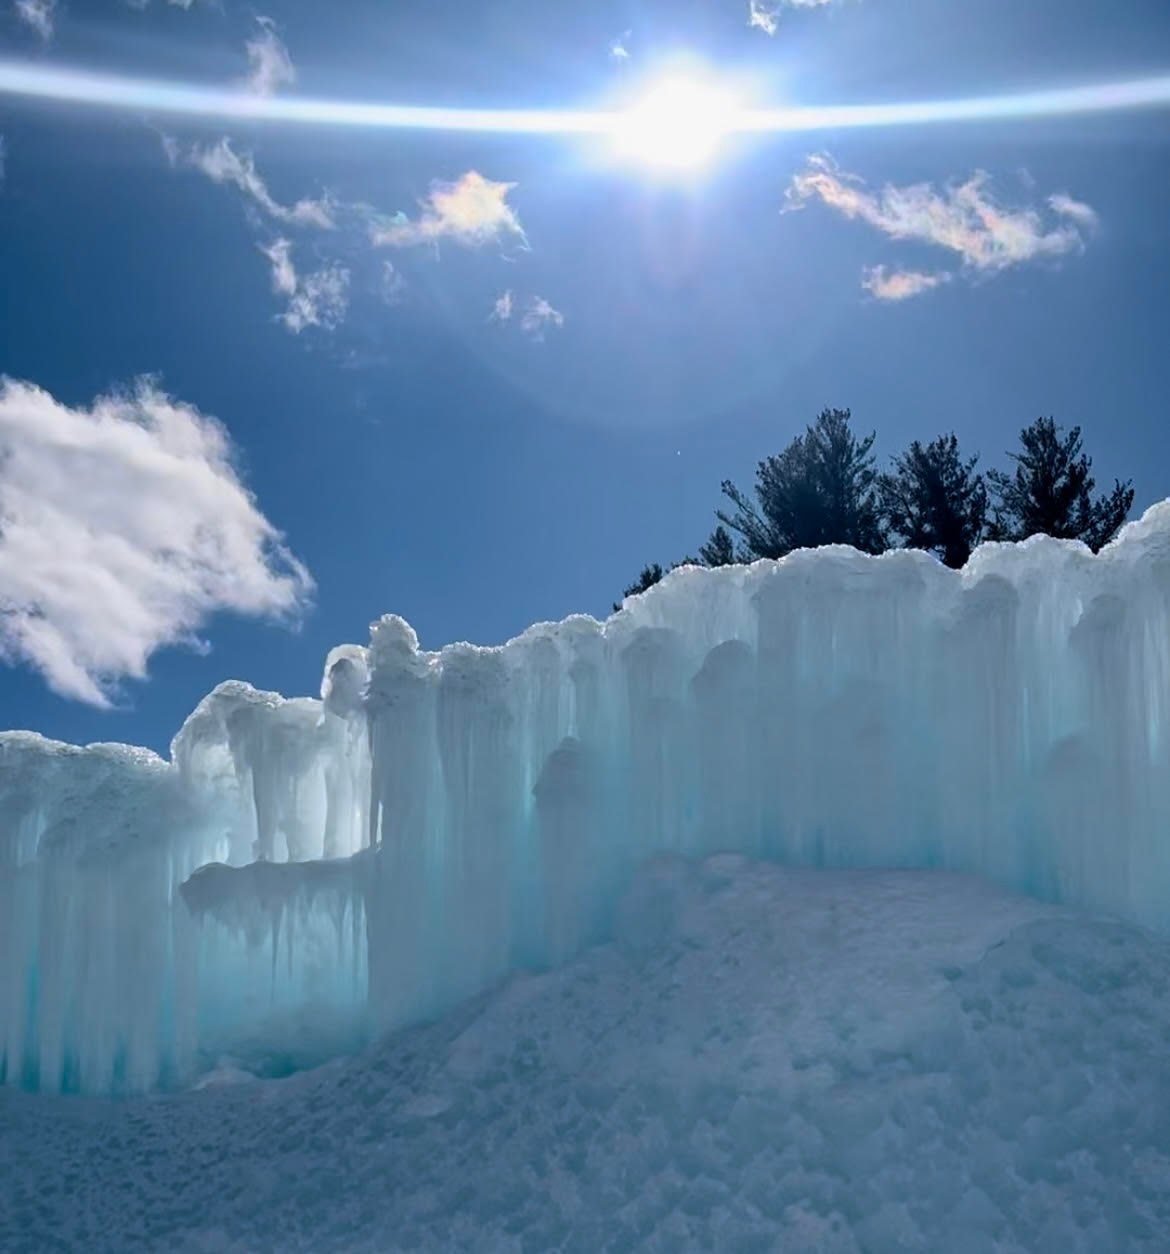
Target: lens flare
(68,85)
(678,124)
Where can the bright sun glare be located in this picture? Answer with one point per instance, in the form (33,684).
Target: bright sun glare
(678,124)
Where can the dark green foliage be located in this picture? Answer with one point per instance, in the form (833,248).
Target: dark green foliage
(935,500)
(1051,491)
(822,489)
(719,549)
(650,575)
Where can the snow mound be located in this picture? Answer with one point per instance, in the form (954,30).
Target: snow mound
(763,1059)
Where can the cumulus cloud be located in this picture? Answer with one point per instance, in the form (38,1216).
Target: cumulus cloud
(471,210)
(269,65)
(222,164)
(38,15)
(319,299)
(536,315)
(123,527)
(963,218)
(896,285)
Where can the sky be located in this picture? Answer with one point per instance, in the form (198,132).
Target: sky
(268,379)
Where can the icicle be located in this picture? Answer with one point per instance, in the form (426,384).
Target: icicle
(831,709)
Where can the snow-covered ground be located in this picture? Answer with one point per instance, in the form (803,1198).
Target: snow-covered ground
(765,1059)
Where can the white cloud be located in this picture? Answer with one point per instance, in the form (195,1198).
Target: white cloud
(502,309)
(764,15)
(284,275)
(896,285)
(539,316)
(963,218)
(123,527)
(38,15)
(472,210)
(536,314)
(1075,210)
(222,164)
(319,299)
(270,66)
(619,50)
(391,285)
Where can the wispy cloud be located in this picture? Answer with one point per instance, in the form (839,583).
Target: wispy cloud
(38,15)
(222,164)
(764,15)
(471,210)
(502,309)
(391,284)
(619,49)
(536,315)
(963,218)
(319,299)
(540,316)
(270,66)
(1076,211)
(123,527)
(896,285)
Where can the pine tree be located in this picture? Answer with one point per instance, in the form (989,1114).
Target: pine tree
(719,550)
(820,490)
(935,500)
(1051,491)
(650,575)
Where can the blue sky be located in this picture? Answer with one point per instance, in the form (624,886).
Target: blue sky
(335,299)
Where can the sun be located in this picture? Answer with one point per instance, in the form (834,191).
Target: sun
(678,124)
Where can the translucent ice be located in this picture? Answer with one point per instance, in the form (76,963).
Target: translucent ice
(830,709)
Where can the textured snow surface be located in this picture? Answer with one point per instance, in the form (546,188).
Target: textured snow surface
(763,1059)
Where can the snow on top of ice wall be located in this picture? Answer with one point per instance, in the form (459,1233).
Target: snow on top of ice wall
(56,798)
(828,709)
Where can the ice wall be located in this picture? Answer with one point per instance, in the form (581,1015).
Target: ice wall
(828,709)
(91,841)
(109,981)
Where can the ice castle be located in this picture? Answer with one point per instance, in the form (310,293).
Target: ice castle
(305,872)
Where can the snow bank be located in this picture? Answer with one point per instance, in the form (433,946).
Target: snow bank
(764,1059)
(830,709)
